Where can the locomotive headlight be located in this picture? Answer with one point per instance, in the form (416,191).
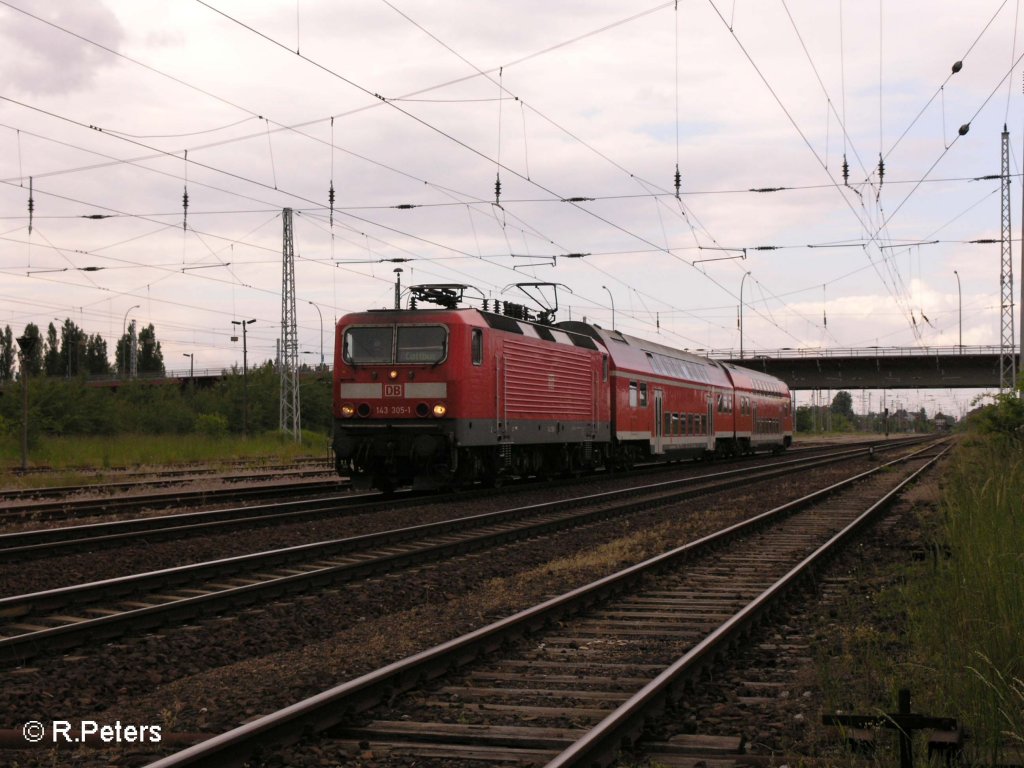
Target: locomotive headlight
(348,411)
(440,410)
(393,374)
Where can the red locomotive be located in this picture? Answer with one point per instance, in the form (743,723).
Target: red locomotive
(445,396)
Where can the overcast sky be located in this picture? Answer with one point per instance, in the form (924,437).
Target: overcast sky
(424,104)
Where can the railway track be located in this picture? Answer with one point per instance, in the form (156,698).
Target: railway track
(70,509)
(157,474)
(29,504)
(73,615)
(161,480)
(570,681)
(65,539)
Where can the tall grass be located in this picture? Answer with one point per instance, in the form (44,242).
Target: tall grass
(70,453)
(967,615)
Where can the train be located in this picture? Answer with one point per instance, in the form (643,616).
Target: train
(440,397)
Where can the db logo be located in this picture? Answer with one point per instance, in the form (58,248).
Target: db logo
(392,390)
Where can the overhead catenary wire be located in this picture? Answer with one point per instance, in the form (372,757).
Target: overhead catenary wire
(430,127)
(472,217)
(502,90)
(789,116)
(885,218)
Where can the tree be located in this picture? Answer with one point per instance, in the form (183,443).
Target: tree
(151,359)
(96,360)
(7,354)
(804,419)
(122,361)
(72,348)
(34,364)
(149,356)
(842,404)
(51,356)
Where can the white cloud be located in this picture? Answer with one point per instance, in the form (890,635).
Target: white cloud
(596,118)
(39,59)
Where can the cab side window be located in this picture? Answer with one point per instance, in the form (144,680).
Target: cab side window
(477,344)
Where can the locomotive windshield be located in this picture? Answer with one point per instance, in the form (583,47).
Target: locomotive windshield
(369,345)
(421,343)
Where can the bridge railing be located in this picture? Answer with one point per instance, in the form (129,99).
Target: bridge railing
(811,352)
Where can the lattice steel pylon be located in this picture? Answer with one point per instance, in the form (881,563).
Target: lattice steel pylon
(289,357)
(133,352)
(1007,339)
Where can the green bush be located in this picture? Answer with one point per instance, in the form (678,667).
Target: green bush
(1005,416)
(212,424)
(64,407)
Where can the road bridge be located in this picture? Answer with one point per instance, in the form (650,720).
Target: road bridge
(802,369)
(875,367)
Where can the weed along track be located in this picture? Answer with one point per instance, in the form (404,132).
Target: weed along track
(570,680)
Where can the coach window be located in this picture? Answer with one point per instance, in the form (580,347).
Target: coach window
(643,394)
(632,394)
(478,346)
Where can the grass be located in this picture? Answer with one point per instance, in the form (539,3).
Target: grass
(68,456)
(949,627)
(966,606)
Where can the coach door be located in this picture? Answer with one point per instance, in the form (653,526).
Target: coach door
(659,422)
(711,422)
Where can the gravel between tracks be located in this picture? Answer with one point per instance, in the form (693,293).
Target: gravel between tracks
(49,573)
(212,675)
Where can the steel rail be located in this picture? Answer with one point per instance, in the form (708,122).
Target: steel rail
(64,509)
(336,705)
(160,479)
(601,744)
(55,541)
(368,555)
(47,541)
